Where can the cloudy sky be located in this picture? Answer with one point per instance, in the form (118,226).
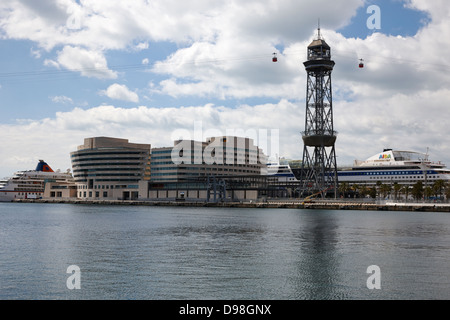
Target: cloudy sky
(143,70)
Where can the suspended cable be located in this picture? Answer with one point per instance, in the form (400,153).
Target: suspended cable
(159,66)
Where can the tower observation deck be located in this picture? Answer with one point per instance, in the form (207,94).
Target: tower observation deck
(319,174)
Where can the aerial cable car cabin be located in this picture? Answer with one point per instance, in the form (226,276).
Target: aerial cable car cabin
(274,58)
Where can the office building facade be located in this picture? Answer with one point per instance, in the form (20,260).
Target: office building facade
(107,168)
(185,170)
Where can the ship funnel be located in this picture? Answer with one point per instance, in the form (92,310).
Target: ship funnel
(43,166)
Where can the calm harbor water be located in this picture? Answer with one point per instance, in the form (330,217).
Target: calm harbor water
(131,252)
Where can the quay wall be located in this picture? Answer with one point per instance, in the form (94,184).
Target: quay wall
(326,205)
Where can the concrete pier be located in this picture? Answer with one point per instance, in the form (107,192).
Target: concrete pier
(294,204)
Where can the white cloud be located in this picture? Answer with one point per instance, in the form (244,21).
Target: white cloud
(115,24)
(120,92)
(106,24)
(217,70)
(88,63)
(398,122)
(142,46)
(35,53)
(224,51)
(140,124)
(51,63)
(61,99)
(439,9)
(402,121)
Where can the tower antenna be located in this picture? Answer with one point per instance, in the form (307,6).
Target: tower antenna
(318,30)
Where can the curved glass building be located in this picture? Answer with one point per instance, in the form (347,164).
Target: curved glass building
(110,169)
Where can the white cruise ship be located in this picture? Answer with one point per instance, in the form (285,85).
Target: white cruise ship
(30,184)
(281,171)
(403,167)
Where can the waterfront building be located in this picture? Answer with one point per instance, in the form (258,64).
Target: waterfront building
(189,168)
(107,168)
(189,159)
(60,190)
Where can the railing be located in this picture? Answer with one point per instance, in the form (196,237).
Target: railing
(328,133)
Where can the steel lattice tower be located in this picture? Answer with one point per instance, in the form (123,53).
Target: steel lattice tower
(319,169)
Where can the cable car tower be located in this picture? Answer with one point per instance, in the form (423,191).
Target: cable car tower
(319,168)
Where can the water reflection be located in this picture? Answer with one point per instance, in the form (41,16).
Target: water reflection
(318,266)
(214,258)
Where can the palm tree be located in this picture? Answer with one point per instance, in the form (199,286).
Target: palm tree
(385,189)
(417,190)
(379,185)
(447,192)
(438,187)
(355,189)
(397,188)
(405,189)
(364,191)
(373,192)
(344,188)
(428,192)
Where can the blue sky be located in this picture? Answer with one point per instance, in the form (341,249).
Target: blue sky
(24,72)
(396,19)
(107,64)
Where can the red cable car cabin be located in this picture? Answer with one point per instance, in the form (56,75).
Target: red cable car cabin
(274,59)
(361,64)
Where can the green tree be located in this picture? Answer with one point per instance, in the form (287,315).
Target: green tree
(344,187)
(373,192)
(447,192)
(428,192)
(378,188)
(355,188)
(385,189)
(405,190)
(417,190)
(397,188)
(364,191)
(438,188)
